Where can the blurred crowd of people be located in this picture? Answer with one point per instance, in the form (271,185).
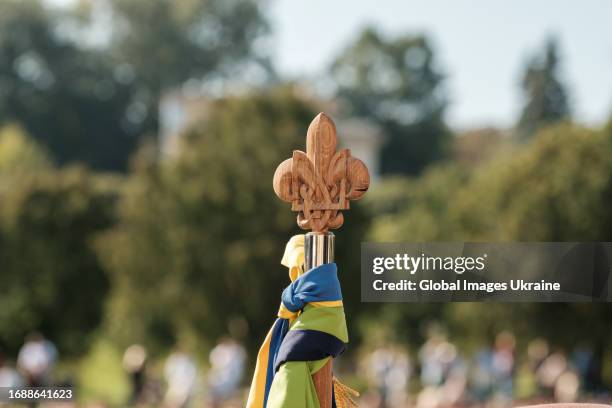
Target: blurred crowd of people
(182,384)
(440,376)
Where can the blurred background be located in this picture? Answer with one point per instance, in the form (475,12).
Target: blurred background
(140,238)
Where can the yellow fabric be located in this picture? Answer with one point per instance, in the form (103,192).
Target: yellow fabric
(293,258)
(258,385)
(285,313)
(327,303)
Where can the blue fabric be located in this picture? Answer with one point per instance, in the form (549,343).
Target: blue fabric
(308,345)
(316,285)
(281,326)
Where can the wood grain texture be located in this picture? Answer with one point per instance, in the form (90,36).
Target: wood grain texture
(323,382)
(320,183)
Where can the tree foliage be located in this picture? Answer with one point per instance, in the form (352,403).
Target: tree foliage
(558,187)
(546,100)
(93,102)
(52,280)
(168,42)
(19,154)
(396,83)
(66,97)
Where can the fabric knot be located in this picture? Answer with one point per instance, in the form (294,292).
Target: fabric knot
(320,283)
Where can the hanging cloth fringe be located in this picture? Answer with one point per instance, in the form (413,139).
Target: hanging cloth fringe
(344,396)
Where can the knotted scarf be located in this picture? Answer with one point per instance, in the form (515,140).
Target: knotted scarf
(310,329)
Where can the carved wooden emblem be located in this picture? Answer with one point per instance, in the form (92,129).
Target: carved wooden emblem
(320,183)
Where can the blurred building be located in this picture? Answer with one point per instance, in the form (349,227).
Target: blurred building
(364,138)
(178,111)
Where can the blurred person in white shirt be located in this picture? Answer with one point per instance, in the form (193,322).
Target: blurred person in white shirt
(180,372)
(36,360)
(227,360)
(9,377)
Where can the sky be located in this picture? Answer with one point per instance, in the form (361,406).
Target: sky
(481,45)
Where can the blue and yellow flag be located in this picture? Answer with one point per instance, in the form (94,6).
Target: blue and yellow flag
(310,329)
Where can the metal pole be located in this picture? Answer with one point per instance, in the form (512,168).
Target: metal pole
(318,249)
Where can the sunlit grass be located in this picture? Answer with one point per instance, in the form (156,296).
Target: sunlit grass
(101,376)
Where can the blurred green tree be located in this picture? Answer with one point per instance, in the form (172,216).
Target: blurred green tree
(19,154)
(200,239)
(417,209)
(52,280)
(558,187)
(65,96)
(554,189)
(195,46)
(396,83)
(546,100)
(167,42)
(89,91)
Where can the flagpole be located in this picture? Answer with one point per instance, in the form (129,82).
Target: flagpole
(319,250)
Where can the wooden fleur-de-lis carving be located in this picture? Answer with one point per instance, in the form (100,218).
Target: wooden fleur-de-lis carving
(321,182)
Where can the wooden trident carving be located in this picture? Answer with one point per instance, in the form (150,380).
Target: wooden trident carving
(321,182)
